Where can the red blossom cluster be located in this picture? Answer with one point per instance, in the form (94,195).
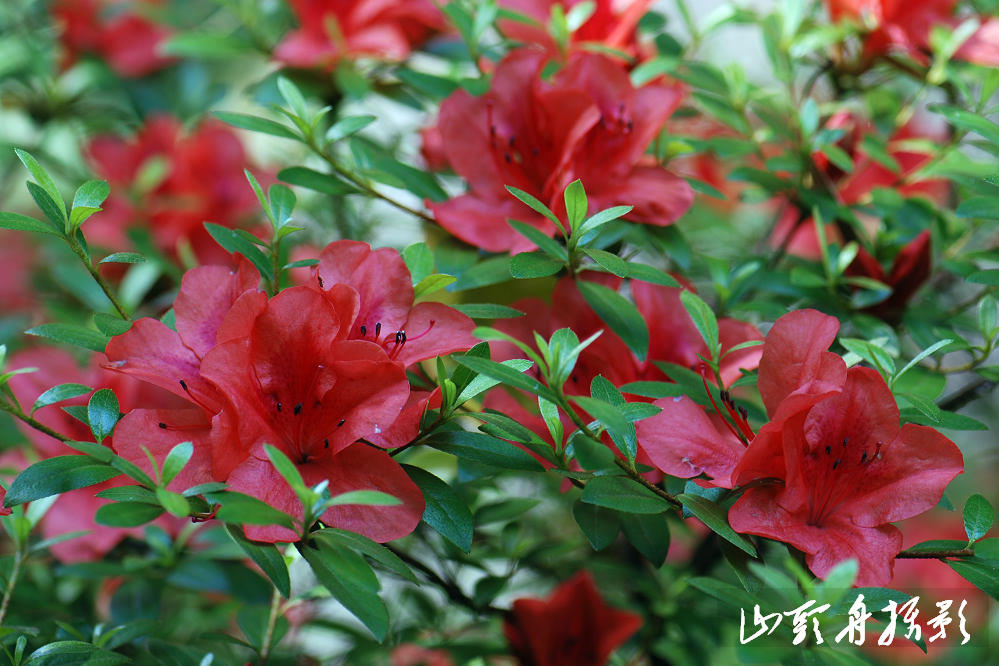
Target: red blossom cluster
(318,371)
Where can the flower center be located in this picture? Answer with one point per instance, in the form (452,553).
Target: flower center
(837,471)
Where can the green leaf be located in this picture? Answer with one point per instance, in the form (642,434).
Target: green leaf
(484,273)
(875,148)
(385,168)
(71,334)
(53,476)
(103,413)
(129,494)
(288,470)
(432,283)
(623,494)
(445,511)
(127,514)
(58,394)
(315,180)
(365,498)
(282,203)
(982,574)
(67,653)
(979,207)
(601,218)
(17,222)
(618,313)
(111,325)
(989,277)
(348,126)
(621,430)
(419,260)
(535,205)
(204,44)
(175,503)
(919,357)
(88,200)
(613,263)
(576,204)
(293,97)
(372,549)
(713,515)
(598,524)
(351,582)
(266,556)
(507,375)
(704,319)
(649,534)
(175,461)
(124,258)
(44,201)
(247,510)
(44,180)
(256,124)
(487,311)
(978,517)
(233,242)
(968,120)
(545,243)
(528,265)
(481,448)
(482,383)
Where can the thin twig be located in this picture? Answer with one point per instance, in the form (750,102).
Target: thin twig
(450,588)
(934,554)
(105,287)
(265,648)
(17,413)
(11,582)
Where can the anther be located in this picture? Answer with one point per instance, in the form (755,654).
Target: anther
(326,443)
(836,464)
(298,409)
(279,406)
(378,329)
(364,330)
(163,425)
(342,421)
(846,440)
(863,458)
(828,450)
(183,384)
(319,279)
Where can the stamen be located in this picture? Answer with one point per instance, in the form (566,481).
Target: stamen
(342,421)
(298,409)
(364,330)
(326,443)
(703,367)
(163,425)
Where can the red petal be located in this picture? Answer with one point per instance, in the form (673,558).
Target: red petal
(912,475)
(659,197)
(207,293)
(796,369)
(682,441)
(481,221)
(380,278)
(140,429)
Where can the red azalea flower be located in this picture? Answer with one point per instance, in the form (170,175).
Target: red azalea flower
(74,510)
(201,180)
(842,468)
(906,26)
(587,122)
(909,271)
(573,626)
(612,24)
(386,314)
(128,42)
(298,384)
(335,29)
(795,370)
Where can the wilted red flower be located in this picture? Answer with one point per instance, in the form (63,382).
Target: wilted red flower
(906,26)
(74,510)
(113,30)
(587,122)
(841,467)
(332,30)
(868,174)
(909,271)
(170,182)
(612,23)
(573,626)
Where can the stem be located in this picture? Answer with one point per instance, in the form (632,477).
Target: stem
(934,554)
(272,617)
(450,588)
(360,184)
(11,582)
(628,469)
(967,394)
(105,287)
(17,413)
